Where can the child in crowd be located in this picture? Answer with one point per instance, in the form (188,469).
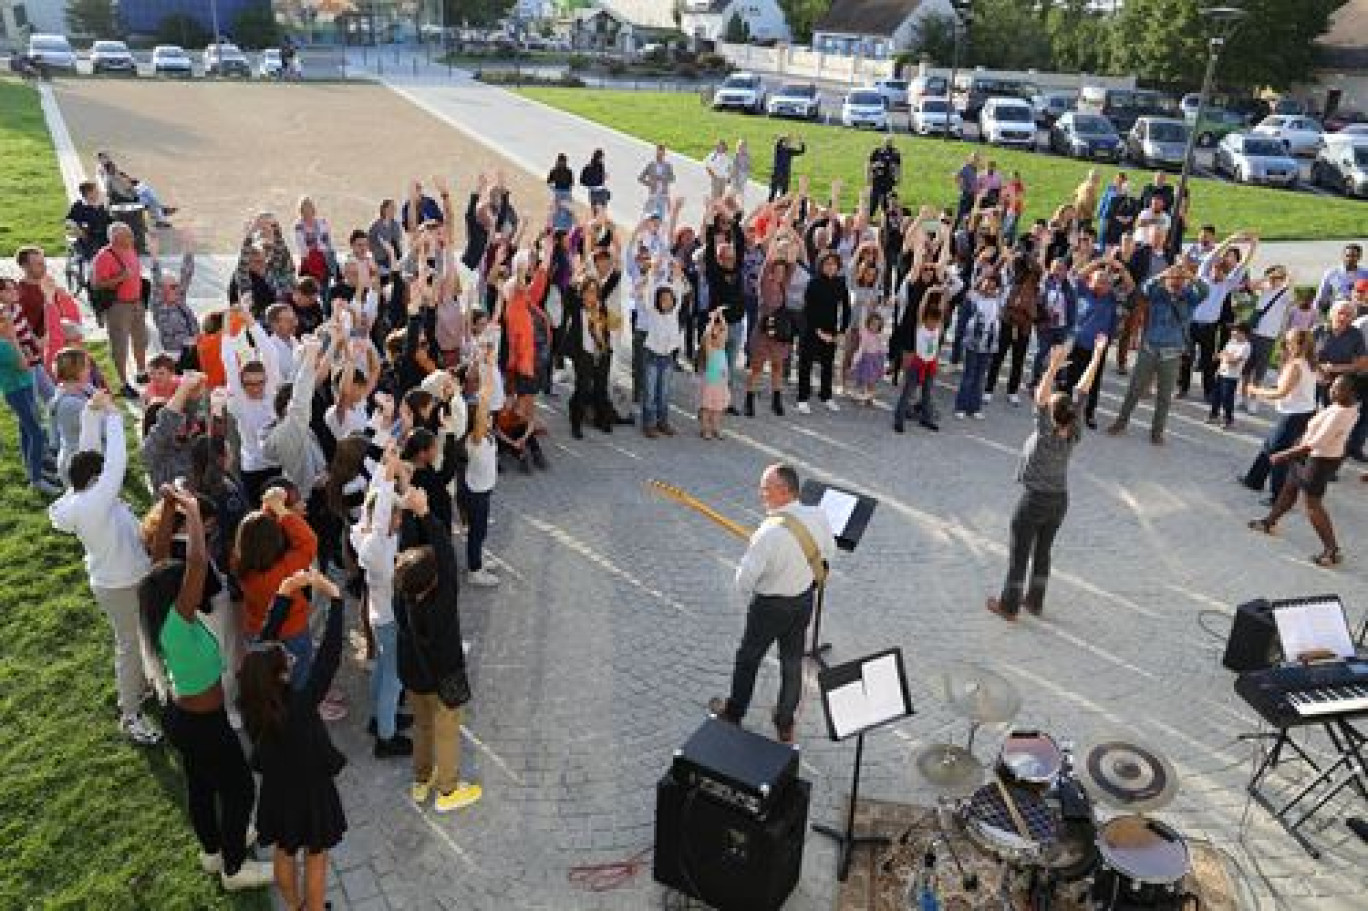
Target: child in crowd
(481,473)
(162,380)
(1231,367)
(714,378)
(73,370)
(920,365)
(983,327)
(663,338)
(870,357)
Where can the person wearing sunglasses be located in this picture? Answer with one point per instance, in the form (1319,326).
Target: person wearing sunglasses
(187,664)
(299,809)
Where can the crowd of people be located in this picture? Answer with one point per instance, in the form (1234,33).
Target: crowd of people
(322,434)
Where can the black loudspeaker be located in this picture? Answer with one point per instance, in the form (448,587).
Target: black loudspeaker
(717,853)
(1253,644)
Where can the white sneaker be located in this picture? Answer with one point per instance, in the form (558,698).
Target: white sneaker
(483,578)
(253,874)
(804,408)
(139,730)
(979,416)
(959,415)
(987,397)
(832,406)
(211,863)
(1014,399)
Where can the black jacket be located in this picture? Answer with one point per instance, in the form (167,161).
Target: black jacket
(430,630)
(726,287)
(826,304)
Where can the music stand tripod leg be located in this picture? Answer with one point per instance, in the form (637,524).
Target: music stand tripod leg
(819,648)
(848,841)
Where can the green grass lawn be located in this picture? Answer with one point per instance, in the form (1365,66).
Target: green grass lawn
(86,819)
(689,128)
(34,202)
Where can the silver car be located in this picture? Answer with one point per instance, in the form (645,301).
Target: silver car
(1158,142)
(1253,158)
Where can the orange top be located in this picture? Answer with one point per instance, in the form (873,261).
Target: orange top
(259,589)
(109,262)
(522,342)
(209,348)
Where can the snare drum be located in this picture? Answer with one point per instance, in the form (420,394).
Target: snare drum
(989,824)
(1143,862)
(1031,759)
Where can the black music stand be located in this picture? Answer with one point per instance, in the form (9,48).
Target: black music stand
(859,696)
(848,513)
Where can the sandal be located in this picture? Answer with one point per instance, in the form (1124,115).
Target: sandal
(1262,525)
(1328,558)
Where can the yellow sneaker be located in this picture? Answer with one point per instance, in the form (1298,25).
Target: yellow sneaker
(420,791)
(464,795)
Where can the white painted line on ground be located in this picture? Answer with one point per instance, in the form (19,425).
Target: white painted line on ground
(562,536)
(68,159)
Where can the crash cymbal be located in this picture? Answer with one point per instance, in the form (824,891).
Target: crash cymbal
(1127,776)
(949,767)
(980,695)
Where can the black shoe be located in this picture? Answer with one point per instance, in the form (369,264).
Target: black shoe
(898,427)
(539,460)
(396,747)
(777,405)
(1244,482)
(930,425)
(576,432)
(1091,423)
(750,404)
(525,465)
(720,707)
(731,410)
(402,722)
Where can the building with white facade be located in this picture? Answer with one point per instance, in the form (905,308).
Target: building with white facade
(708,19)
(874,29)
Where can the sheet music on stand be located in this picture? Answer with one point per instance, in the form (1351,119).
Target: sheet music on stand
(1319,626)
(864,694)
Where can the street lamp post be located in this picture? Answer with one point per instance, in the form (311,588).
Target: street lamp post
(1222,21)
(959,21)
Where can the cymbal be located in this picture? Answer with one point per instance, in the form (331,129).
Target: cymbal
(980,695)
(1127,776)
(950,767)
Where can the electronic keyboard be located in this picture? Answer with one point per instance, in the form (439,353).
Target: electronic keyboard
(1307,694)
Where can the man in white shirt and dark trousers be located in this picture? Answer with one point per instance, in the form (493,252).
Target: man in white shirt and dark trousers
(1221,272)
(778,577)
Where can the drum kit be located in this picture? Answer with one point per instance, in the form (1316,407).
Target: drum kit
(1034,813)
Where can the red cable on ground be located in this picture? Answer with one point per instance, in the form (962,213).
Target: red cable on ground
(603,877)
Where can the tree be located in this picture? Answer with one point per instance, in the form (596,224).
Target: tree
(934,37)
(1164,43)
(178,28)
(737,31)
(1007,35)
(802,15)
(255,27)
(477,13)
(1080,37)
(92,17)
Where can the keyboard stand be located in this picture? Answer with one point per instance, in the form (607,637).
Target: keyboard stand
(1348,743)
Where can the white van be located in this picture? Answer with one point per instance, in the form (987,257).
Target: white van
(52,51)
(1008,122)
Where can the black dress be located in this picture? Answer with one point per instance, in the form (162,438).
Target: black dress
(299,806)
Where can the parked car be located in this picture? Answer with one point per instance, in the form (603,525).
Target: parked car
(226,60)
(1157,142)
(1303,135)
(112,57)
(1216,125)
(1291,107)
(53,52)
(171,60)
(1188,106)
(1252,158)
(272,66)
(1085,136)
(1123,107)
(1007,122)
(927,87)
(740,92)
(1342,164)
(930,117)
(973,91)
(1354,129)
(894,92)
(1051,106)
(1341,119)
(865,108)
(796,99)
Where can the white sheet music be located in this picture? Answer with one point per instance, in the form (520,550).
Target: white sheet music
(1314,627)
(838,506)
(875,698)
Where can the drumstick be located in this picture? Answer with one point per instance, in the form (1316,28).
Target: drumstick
(1012,810)
(680,496)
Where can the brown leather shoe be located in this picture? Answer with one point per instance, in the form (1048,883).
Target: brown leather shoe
(666,430)
(1032,605)
(1156,438)
(995,606)
(1115,429)
(717,707)
(650,433)
(783,734)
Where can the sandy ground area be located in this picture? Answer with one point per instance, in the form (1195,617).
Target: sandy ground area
(223,152)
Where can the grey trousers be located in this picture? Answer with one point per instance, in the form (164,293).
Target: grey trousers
(1149,365)
(121,607)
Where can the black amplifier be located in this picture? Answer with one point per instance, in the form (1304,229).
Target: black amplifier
(736,767)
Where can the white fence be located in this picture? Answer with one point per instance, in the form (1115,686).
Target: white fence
(804,63)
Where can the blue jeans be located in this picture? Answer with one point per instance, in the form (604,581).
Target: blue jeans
(969,399)
(1224,399)
(32,441)
(655,400)
(301,646)
(1283,434)
(385,685)
(477,519)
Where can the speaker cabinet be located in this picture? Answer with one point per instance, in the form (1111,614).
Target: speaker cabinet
(719,854)
(1253,644)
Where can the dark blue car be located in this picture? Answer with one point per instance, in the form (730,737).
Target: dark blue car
(1081,135)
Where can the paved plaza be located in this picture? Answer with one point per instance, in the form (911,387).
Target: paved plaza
(616,620)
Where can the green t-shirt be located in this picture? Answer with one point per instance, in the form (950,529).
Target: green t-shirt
(193,660)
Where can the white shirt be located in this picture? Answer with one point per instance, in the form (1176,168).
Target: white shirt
(482,468)
(1276,300)
(1209,310)
(283,350)
(719,165)
(115,555)
(774,563)
(253,416)
(663,333)
(376,549)
(343,424)
(1233,357)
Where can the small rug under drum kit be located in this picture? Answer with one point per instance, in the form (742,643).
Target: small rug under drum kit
(1027,831)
